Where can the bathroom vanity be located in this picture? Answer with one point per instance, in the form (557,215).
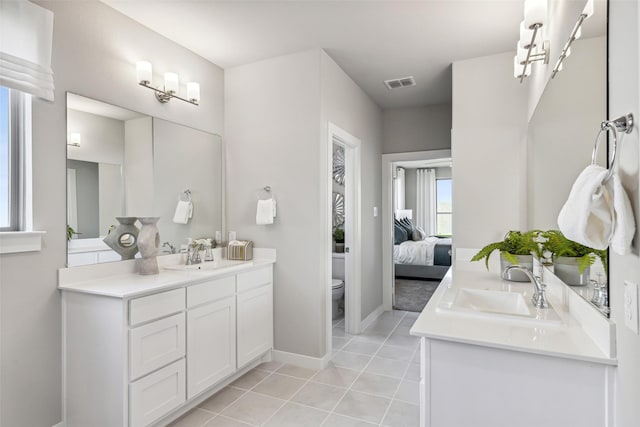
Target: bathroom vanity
(141,350)
(489,358)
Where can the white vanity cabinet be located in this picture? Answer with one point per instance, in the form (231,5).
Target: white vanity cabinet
(255,315)
(135,358)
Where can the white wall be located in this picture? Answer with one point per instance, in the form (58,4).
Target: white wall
(416,129)
(345,105)
(138,165)
(102,138)
(276,118)
(488,150)
(94,54)
(624,48)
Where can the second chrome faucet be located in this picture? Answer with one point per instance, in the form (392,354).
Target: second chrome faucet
(539,298)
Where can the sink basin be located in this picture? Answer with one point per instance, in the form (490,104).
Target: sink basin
(211,265)
(496,305)
(491,301)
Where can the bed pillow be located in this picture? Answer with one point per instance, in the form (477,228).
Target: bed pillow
(408,225)
(418,234)
(399,234)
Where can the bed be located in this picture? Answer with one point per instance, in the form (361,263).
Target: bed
(429,258)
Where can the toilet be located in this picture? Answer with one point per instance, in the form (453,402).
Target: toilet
(337,283)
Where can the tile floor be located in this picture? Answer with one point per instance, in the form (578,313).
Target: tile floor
(371,381)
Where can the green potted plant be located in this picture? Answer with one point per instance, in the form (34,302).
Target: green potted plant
(71,232)
(516,248)
(338,237)
(571,260)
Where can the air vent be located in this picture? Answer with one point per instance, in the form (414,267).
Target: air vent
(398,83)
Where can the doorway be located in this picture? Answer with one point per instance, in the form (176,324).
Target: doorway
(389,164)
(347,177)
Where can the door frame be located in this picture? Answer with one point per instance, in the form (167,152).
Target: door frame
(388,268)
(353,235)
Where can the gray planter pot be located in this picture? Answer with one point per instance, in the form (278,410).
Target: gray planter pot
(566,268)
(517,276)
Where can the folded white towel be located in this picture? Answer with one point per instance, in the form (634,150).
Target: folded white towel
(624,225)
(266,211)
(184,211)
(587,216)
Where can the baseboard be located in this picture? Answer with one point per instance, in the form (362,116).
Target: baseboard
(371,317)
(60,424)
(301,360)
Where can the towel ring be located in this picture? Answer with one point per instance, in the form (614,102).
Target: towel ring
(622,124)
(264,193)
(185,193)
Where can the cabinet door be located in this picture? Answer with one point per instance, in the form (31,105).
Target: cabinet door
(255,323)
(157,394)
(211,344)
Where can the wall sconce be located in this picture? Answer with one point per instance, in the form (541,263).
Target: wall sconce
(171,85)
(74,139)
(529,48)
(575,35)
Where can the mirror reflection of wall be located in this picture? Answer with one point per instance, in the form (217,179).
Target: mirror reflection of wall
(123,163)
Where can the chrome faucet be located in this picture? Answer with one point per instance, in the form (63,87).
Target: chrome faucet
(193,256)
(539,298)
(171,249)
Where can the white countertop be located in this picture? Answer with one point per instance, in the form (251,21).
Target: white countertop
(569,338)
(119,279)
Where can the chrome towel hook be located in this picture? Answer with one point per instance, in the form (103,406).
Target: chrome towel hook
(620,124)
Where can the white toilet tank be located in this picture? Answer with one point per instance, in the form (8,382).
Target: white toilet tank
(337,266)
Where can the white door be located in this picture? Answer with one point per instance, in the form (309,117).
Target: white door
(211,344)
(255,323)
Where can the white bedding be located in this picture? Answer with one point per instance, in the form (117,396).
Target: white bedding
(417,253)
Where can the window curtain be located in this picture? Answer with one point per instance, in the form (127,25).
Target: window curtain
(26,35)
(398,195)
(426,200)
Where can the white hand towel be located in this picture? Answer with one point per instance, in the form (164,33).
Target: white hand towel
(587,216)
(184,211)
(624,225)
(266,211)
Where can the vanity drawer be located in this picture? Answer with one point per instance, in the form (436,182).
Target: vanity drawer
(156,306)
(155,395)
(254,279)
(156,344)
(211,290)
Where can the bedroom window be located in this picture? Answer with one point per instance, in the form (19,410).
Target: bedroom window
(7,165)
(443,207)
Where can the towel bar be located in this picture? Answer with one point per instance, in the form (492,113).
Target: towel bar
(619,124)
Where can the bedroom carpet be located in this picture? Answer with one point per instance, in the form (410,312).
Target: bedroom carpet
(413,295)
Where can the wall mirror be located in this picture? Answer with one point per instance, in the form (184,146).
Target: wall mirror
(123,163)
(563,129)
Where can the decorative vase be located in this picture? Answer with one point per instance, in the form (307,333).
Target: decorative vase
(148,244)
(515,275)
(566,269)
(124,238)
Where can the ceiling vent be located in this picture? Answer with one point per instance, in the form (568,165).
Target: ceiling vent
(398,83)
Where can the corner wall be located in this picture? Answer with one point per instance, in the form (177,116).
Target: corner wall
(624,18)
(94,53)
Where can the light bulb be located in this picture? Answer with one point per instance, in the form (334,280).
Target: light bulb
(193,91)
(535,13)
(144,72)
(171,83)
(525,36)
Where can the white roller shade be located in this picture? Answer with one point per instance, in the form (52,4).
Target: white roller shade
(26,35)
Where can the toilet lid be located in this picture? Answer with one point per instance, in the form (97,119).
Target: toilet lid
(336,283)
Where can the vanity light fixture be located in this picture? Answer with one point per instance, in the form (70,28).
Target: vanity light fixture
(171,85)
(575,35)
(531,47)
(74,139)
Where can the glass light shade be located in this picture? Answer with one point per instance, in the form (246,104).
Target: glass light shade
(193,91)
(535,13)
(525,36)
(521,57)
(171,82)
(588,9)
(74,139)
(567,53)
(578,33)
(144,72)
(517,69)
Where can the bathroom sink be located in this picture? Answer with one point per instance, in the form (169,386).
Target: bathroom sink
(491,301)
(210,265)
(497,305)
